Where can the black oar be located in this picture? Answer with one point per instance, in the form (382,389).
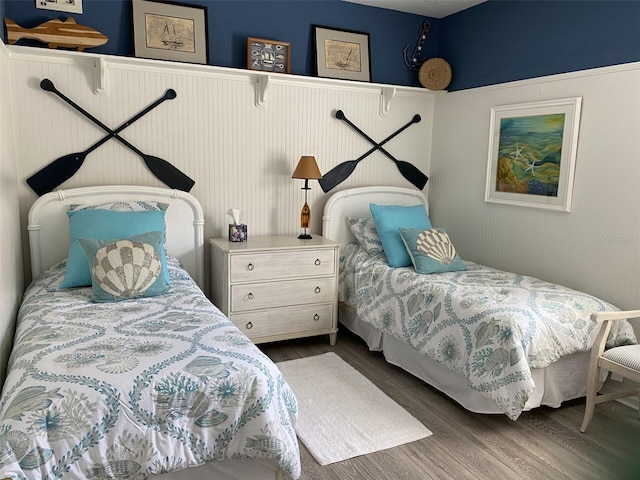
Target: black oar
(341,172)
(63,168)
(408,170)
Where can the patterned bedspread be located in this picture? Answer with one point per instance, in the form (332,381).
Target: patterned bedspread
(124,390)
(491,327)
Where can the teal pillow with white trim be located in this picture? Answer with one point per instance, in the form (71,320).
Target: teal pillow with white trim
(389,219)
(107,224)
(431,250)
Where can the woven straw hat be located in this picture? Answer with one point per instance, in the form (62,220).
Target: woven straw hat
(435,74)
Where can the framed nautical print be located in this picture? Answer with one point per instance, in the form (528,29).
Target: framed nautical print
(170,31)
(532,153)
(268,55)
(343,54)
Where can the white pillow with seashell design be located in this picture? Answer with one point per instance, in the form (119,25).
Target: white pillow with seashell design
(431,250)
(127,268)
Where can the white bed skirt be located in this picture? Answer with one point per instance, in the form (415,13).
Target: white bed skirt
(563,380)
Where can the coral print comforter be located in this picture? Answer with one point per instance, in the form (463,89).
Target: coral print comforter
(491,327)
(124,390)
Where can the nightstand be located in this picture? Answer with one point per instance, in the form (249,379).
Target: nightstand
(277,287)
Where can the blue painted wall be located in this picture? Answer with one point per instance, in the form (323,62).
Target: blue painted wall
(495,42)
(500,41)
(230,22)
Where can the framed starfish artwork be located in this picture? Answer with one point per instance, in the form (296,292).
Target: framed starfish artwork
(532,153)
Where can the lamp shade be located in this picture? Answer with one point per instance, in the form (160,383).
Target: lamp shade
(307,168)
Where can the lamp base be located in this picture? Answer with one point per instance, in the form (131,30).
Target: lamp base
(305,236)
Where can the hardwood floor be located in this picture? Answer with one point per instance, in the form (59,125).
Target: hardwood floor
(542,444)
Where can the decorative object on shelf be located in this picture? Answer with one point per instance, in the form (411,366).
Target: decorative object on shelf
(435,74)
(308,169)
(167,31)
(343,54)
(69,6)
(66,166)
(237,229)
(56,33)
(268,55)
(413,61)
(341,172)
(532,153)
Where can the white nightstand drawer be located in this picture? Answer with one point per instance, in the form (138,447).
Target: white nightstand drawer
(255,267)
(287,320)
(276,294)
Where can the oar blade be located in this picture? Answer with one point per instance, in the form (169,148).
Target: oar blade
(337,175)
(412,173)
(168,174)
(57,172)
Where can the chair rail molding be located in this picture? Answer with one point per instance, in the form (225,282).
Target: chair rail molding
(101,65)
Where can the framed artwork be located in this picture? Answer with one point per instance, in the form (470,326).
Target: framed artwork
(170,31)
(69,6)
(268,55)
(343,54)
(532,153)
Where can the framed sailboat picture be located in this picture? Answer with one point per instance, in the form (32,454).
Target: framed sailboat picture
(342,54)
(170,31)
(532,153)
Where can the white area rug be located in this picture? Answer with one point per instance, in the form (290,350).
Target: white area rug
(342,414)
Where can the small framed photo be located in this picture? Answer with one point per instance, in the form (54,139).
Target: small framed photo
(170,31)
(532,153)
(342,54)
(268,55)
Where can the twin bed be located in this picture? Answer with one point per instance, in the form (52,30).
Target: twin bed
(162,385)
(494,341)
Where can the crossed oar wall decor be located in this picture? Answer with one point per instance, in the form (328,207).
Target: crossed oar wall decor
(341,172)
(63,168)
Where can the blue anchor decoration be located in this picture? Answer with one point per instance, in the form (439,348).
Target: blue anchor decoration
(413,61)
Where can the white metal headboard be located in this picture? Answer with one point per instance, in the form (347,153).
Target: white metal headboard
(48,224)
(355,202)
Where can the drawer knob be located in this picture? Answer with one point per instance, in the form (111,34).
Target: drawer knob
(250,296)
(317,262)
(250,267)
(249,326)
(317,290)
(316,317)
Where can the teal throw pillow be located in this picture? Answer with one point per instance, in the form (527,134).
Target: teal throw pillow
(126,268)
(104,225)
(389,219)
(431,250)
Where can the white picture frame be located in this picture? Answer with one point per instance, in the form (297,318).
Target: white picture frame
(532,153)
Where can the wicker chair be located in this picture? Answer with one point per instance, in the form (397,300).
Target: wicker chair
(624,361)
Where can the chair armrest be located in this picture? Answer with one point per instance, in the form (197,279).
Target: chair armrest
(614,315)
(607,318)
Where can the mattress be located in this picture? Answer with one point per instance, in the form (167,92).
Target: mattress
(138,388)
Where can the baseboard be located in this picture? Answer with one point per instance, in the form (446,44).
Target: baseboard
(611,386)
(631,402)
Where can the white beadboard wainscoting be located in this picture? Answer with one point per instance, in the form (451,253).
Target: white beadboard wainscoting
(12,278)
(237,133)
(595,247)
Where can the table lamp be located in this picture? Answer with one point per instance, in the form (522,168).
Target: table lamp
(308,169)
